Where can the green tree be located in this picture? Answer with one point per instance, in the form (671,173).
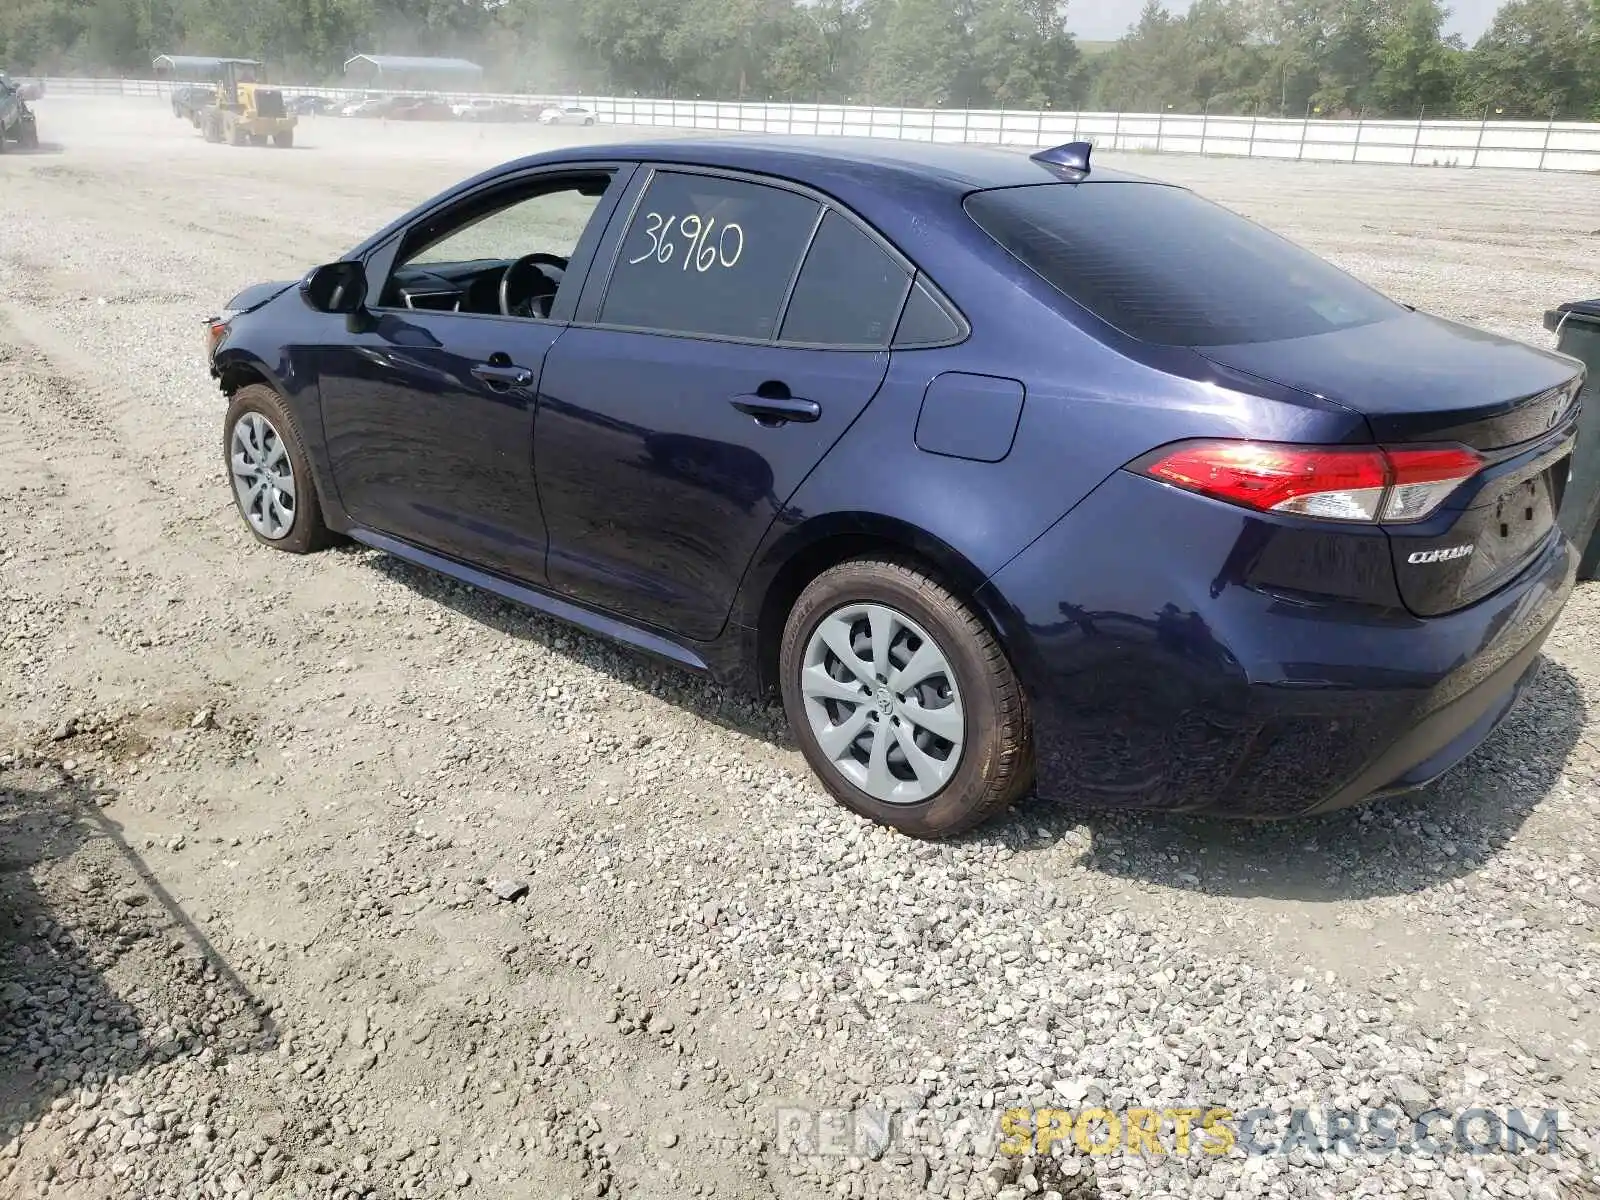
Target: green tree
(1221,67)
(720,47)
(796,65)
(1416,69)
(1293,36)
(629,39)
(1145,70)
(1023,55)
(1537,59)
(923,55)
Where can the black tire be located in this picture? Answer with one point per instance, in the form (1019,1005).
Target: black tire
(283,140)
(308,533)
(30,135)
(997,761)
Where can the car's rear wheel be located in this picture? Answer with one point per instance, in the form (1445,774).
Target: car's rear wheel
(902,701)
(270,473)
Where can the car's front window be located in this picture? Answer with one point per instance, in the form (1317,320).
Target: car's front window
(550,223)
(1163,265)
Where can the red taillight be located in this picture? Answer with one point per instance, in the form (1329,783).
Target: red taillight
(1421,479)
(1333,483)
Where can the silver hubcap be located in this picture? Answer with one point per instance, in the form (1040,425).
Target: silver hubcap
(883,703)
(263,477)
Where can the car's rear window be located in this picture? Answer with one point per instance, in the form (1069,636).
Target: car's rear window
(1165,266)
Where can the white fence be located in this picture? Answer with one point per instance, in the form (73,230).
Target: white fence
(1528,145)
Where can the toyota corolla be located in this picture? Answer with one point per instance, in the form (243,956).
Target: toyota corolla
(1005,472)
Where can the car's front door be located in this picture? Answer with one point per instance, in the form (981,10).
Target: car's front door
(428,402)
(700,385)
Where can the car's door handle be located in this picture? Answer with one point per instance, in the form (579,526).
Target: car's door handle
(503,376)
(772,410)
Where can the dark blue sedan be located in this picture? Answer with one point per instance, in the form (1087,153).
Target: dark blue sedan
(1005,472)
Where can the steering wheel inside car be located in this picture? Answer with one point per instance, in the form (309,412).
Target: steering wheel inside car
(527,289)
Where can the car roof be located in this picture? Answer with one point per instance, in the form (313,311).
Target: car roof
(855,170)
(796,156)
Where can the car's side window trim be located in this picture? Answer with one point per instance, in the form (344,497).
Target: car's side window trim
(599,282)
(381,261)
(794,276)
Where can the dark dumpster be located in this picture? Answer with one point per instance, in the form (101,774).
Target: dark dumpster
(1577,329)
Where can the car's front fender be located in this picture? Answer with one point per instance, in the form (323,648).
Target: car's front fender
(257,294)
(239,362)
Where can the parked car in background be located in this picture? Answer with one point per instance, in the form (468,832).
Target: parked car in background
(189,99)
(17,122)
(566,115)
(488,111)
(310,106)
(420,108)
(1002,470)
(468,110)
(366,106)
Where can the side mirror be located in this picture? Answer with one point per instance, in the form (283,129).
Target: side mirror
(339,287)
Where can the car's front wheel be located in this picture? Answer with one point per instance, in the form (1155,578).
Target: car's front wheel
(902,701)
(270,473)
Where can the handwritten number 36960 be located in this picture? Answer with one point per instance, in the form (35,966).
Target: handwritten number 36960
(709,245)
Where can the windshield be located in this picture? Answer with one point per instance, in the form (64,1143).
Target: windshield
(1163,265)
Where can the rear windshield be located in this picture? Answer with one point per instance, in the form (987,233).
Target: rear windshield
(1165,266)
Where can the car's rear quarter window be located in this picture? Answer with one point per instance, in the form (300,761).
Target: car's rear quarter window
(925,321)
(1163,265)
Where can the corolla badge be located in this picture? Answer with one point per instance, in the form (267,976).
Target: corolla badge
(1447,554)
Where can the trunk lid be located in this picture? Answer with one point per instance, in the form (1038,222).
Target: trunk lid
(1419,378)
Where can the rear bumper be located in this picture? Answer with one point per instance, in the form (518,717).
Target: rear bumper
(1443,738)
(1164,674)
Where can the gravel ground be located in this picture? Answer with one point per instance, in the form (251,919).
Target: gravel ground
(325,877)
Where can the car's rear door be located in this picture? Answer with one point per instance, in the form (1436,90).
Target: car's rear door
(703,379)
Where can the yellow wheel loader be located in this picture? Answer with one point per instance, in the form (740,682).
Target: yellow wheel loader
(245,111)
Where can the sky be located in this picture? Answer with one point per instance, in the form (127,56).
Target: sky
(1099,20)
